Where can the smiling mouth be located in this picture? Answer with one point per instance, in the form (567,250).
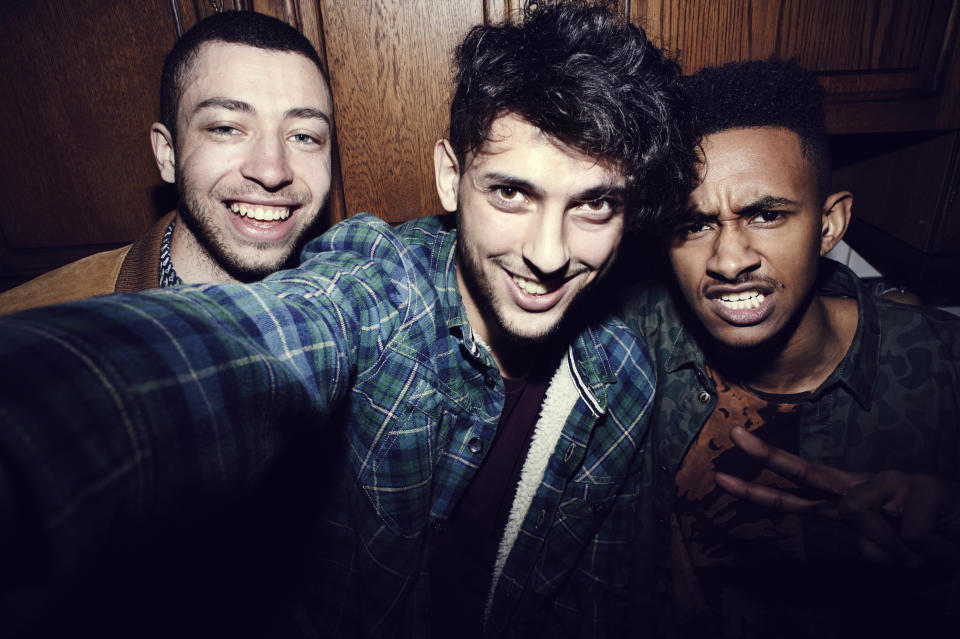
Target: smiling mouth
(260,212)
(531,287)
(742,301)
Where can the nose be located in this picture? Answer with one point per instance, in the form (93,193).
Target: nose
(267,163)
(732,254)
(545,247)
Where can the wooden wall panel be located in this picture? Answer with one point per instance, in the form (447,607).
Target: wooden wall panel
(81,82)
(895,60)
(390,70)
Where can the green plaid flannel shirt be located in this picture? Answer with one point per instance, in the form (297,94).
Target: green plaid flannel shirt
(126,404)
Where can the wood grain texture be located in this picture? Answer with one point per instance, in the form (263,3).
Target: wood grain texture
(82,80)
(390,70)
(863,49)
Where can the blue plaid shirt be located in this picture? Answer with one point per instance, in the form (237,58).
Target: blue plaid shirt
(127,403)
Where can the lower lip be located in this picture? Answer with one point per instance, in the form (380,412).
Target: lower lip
(744,316)
(272,231)
(534,303)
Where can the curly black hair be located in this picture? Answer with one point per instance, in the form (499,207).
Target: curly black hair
(586,77)
(233,27)
(777,93)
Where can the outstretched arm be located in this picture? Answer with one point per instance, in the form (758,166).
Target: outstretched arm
(900,517)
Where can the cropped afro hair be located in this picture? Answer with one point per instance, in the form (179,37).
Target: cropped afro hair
(776,93)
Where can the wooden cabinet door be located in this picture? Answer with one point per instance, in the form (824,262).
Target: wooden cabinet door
(81,85)
(887,65)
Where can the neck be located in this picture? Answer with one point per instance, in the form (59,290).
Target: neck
(191,261)
(802,356)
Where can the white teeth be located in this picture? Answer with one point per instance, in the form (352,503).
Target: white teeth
(529,286)
(744,300)
(265,213)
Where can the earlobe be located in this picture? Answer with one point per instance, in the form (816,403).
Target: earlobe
(837,209)
(163,151)
(447,174)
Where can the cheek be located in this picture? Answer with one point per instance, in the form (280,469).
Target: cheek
(202,166)
(689,268)
(314,172)
(596,248)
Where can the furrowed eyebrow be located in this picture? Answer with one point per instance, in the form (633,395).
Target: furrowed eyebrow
(225,103)
(766,203)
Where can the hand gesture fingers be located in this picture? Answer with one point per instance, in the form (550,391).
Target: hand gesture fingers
(803,471)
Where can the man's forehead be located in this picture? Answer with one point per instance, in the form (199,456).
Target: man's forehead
(513,141)
(229,69)
(742,165)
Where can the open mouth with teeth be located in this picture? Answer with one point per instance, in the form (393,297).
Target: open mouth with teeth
(260,212)
(742,301)
(531,287)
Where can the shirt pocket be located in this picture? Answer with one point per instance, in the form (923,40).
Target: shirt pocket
(391,441)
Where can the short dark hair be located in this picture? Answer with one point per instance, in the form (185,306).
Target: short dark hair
(234,27)
(585,76)
(775,93)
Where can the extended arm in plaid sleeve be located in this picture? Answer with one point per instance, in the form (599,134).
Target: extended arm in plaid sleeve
(127,404)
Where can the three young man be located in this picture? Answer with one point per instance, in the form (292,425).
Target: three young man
(467,413)
(245,135)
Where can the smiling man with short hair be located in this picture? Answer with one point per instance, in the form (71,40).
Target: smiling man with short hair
(246,136)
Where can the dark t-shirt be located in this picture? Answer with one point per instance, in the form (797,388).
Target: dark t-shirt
(464,552)
(744,571)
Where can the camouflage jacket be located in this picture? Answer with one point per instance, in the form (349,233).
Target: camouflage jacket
(892,403)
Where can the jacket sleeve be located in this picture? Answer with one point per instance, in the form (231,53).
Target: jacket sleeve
(126,405)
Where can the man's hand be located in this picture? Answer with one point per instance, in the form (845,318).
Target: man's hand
(900,517)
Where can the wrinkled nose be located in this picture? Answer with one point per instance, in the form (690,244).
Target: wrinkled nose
(732,255)
(545,248)
(267,164)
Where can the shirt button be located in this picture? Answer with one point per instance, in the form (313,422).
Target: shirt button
(703,397)
(490,381)
(664,469)
(475,445)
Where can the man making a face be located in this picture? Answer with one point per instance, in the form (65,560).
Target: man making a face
(246,130)
(473,414)
(760,334)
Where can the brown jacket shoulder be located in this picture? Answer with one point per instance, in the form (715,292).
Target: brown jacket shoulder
(135,267)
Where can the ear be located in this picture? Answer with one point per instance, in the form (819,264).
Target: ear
(447,174)
(837,209)
(163,153)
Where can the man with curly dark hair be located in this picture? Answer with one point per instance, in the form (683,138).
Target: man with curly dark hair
(776,368)
(452,414)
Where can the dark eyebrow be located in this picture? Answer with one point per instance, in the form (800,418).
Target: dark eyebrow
(229,104)
(505,179)
(606,190)
(603,191)
(224,103)
(766,203)
(308,113)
